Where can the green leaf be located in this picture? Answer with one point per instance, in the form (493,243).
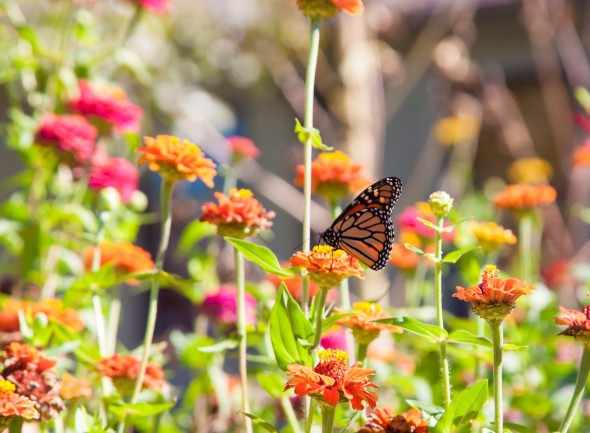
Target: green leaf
(454,256)
(139,409)
(465,407)
(304,134)
(222,346)
(517,428)
(463,336)
(514,348)
(192,234)
(431,332)
(583,97)
(282,338)
(261,423)
(301,326)
(272,383)
(261,256)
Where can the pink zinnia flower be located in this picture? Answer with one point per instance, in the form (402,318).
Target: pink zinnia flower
(155,6)
(408,221)
(335,339)
(243,147)
(117,173)
(222,306)
(108,104)
(73,136)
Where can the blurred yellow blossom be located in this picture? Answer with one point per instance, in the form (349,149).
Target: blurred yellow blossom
(530,170)
(456,129)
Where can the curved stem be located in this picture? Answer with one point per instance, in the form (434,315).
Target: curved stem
(444,361)
(243,336)
(578,391)
(498,343)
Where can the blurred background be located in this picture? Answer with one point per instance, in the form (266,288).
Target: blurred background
(443,94)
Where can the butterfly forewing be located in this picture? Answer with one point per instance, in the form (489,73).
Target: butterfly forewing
(364,229)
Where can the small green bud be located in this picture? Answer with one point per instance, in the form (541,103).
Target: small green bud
(441,203)
(138,201)
(109,199)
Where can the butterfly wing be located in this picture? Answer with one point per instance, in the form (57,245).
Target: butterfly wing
(364,229)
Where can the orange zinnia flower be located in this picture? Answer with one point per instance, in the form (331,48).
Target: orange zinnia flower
(329,8)
(73,387)
(125,257)
(237,214)
(523,197)
(15,405)
(294,285)
(176,159)
(52,308)
(363,323)
(577,322)
(403,258)
(334,176)
(125,368)
(494,297)
(333,380)
(581,157)
(530,170)
(327,266)
(492,236)
(383,421)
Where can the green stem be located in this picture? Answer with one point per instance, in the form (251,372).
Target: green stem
(113,327)
(525,233)
(310,416)
(578,391)
(312,61)
(361,352)
(319,315)
(290,414)
(328,413)
(498,343)
(166,218)
(16,425)
(229,179)
(444,361)
(243,336)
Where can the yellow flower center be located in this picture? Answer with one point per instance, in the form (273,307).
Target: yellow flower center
(368,308)
(241,193)
(6,387)
(333,355)
(336,156)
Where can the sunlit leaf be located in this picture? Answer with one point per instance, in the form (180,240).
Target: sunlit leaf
(431,332)
(261,256)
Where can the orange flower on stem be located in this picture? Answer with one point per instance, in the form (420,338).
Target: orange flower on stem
(334,176)
(403,258)
(14,405)
(176,159)
(362,322)
(237,214)
(530,170)
(333,381)
(73,387)
(327,266)
(125,257)
(494,297)
(123,369)
(383,421)
(577,322)
(317,9)
(524,197)
(492,236)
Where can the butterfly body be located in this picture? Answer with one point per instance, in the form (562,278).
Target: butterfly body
(364,228)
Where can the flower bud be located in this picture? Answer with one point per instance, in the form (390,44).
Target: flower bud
(109,199)
(440,203)
(138,201)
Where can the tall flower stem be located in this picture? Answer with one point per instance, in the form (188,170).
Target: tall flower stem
(290,414)
(312,61)
(166,221)
(578,391)
(498,343)
(243,336)
(444,361)
(310,416)
(328,413)
(319,315)
(525,234)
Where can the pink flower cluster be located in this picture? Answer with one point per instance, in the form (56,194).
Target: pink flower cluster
(72,135)
(155,6)
(117,173)
(222,306)
(409,221)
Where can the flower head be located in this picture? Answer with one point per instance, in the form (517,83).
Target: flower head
(492,236)
(409,221)
(176,159)
(558,274)
(123,369)
(53,309)
(15,405)
(73,387)
(155,6)
(332,380)
(327,266)
(363,322)
(237,214)
(72,136)
(383,421)
(581,157)
(222,306)
(403,258)
(523,197)
(456,129)
(334,176)
(242,148)
(441,203)
(334,339)
(117,173)
(108,105)
(124,257)
(494,297)
(577,323)
(530,170)
(328,8)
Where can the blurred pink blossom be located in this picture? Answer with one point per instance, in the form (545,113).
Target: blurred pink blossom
(243,147)
(118,173)
(72,135)
(155,6)
(222,306)
(408,221)
(335,339)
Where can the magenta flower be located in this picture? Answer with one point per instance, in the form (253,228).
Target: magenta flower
(118,173)
(155,6)
(108,105)
(222,306)
(335,339)
(73,136)
(409,221)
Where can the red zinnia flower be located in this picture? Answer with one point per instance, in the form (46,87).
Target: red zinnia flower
(334,381)
(383,421)
(107,104)
(577,322)
(118,173)
(72,136)
(328,8)
(125,257)
(52,308)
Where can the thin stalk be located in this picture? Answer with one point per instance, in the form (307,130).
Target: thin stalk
(310,416)
(229,179)
(312,61)
(113,327)
(166,221)
(243,336)
(444,361)
(525,233)
(319,315)
(290,414)
(498,343)
(578,391)
(328,413)
(361,352)
(16,425)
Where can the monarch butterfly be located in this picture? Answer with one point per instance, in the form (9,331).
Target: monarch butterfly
(364,229)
